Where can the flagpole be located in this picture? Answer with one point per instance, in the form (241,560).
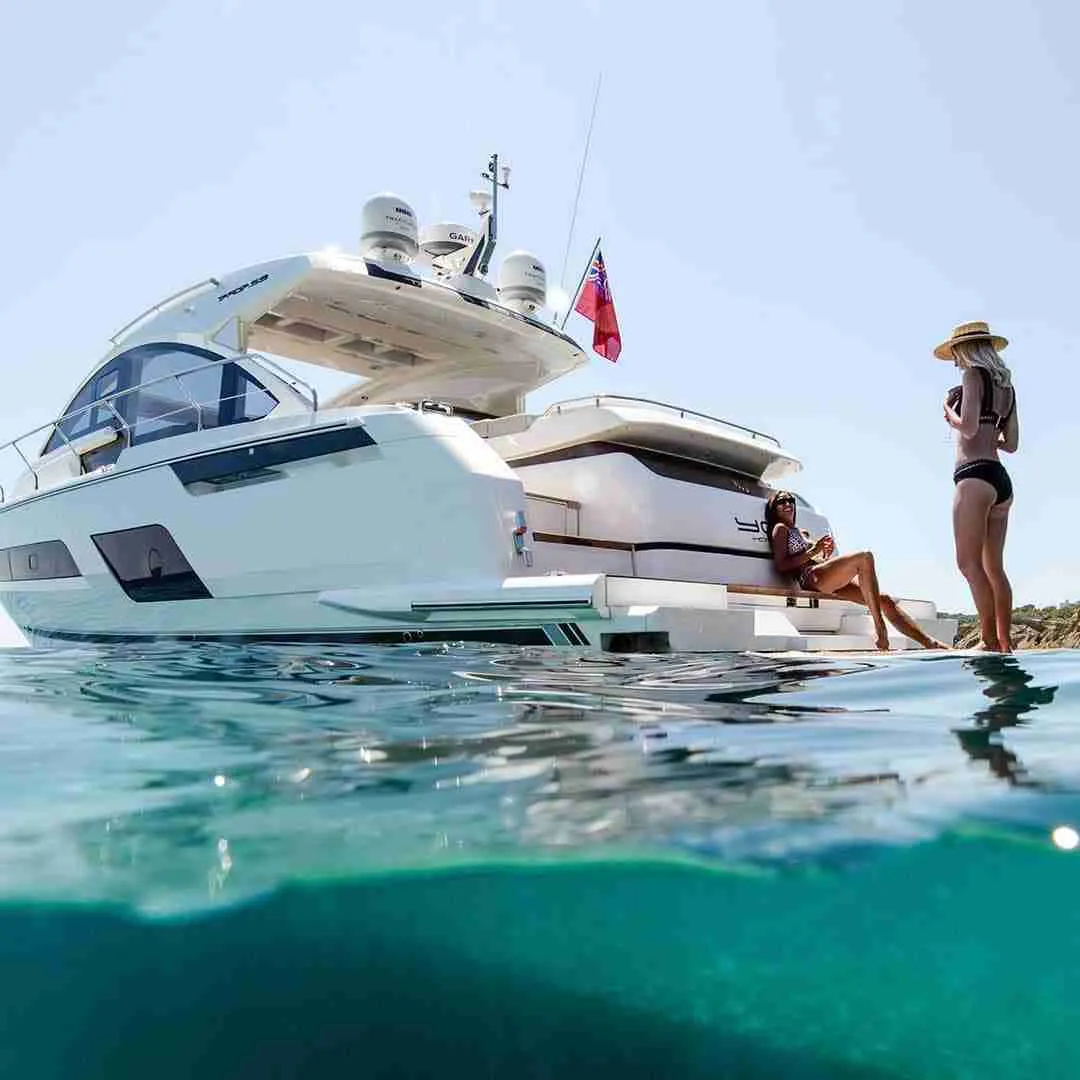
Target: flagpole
(580,284)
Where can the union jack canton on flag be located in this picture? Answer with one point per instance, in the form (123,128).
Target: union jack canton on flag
(596,303)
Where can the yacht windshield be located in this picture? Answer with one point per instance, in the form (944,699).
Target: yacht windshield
(155,391)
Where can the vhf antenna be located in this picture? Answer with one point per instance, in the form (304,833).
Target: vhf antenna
(480,259)
(493,175)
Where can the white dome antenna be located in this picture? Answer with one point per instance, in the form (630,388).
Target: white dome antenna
(522,283)
(481,201)
(447,247)
(388,230)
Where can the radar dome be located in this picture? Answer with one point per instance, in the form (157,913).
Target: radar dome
(447,247)
(388,229)
(522,282)
(444,239)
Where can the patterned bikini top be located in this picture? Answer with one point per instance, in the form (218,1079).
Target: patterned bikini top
(796,542)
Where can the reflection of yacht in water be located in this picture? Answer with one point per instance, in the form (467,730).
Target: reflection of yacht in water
(193,487)
(1011,697)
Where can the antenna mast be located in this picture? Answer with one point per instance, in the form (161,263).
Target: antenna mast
(580,179)
(488,206)
(493,175)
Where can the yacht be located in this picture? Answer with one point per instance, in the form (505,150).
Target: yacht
(196,487)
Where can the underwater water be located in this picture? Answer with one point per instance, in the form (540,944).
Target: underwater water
(477,861)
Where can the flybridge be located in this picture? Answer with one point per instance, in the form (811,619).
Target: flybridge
(407,336)
(410,312)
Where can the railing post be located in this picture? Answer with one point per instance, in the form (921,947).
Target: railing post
(67,443)
(26,463)
(286,376)
(123,423)
(194,404)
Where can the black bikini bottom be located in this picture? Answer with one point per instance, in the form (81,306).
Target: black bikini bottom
(993,472)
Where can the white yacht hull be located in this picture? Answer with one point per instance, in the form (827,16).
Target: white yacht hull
(384,525)
(193,489)
(247,548)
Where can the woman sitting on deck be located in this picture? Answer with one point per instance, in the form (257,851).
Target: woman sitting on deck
(848,577)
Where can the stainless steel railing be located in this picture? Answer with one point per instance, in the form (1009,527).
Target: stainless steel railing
(287,376)
(599,400)
(123,428)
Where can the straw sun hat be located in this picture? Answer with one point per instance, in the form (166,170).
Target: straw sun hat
(969,331)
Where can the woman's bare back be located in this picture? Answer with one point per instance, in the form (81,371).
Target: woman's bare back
(984,444)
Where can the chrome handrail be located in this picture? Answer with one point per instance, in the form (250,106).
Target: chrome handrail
(154,309)
(286,376)
(597,399)
(191,400)
(18,451)
(111,407)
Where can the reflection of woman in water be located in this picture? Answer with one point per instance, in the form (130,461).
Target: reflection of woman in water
(1011,697)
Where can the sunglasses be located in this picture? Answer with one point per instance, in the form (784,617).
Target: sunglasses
(784,502)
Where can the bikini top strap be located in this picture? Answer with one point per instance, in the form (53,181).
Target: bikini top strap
(986,406)
(987,412)
(1012,407)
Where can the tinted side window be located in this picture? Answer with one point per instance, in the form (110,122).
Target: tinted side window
(227,395)
(78,422)
(164,405)
(165,396)
(222,394)
(212,395)
(204,387)
(244,399)
(81,420)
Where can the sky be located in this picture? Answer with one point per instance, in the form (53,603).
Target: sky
(797,202)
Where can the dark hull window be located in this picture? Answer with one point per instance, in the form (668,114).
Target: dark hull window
(37,562)
(227,466)
(149,566)
(669,465)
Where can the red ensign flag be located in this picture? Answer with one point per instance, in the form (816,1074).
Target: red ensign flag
(595,303)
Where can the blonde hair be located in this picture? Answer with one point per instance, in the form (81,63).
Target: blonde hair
(983,354)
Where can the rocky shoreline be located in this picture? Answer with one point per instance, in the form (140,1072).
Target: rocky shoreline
(1033,628)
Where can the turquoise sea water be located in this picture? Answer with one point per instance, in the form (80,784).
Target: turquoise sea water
(467,861)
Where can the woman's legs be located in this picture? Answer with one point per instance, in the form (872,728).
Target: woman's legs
(971,511)
(993,560)
(899,618)
(830,577)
